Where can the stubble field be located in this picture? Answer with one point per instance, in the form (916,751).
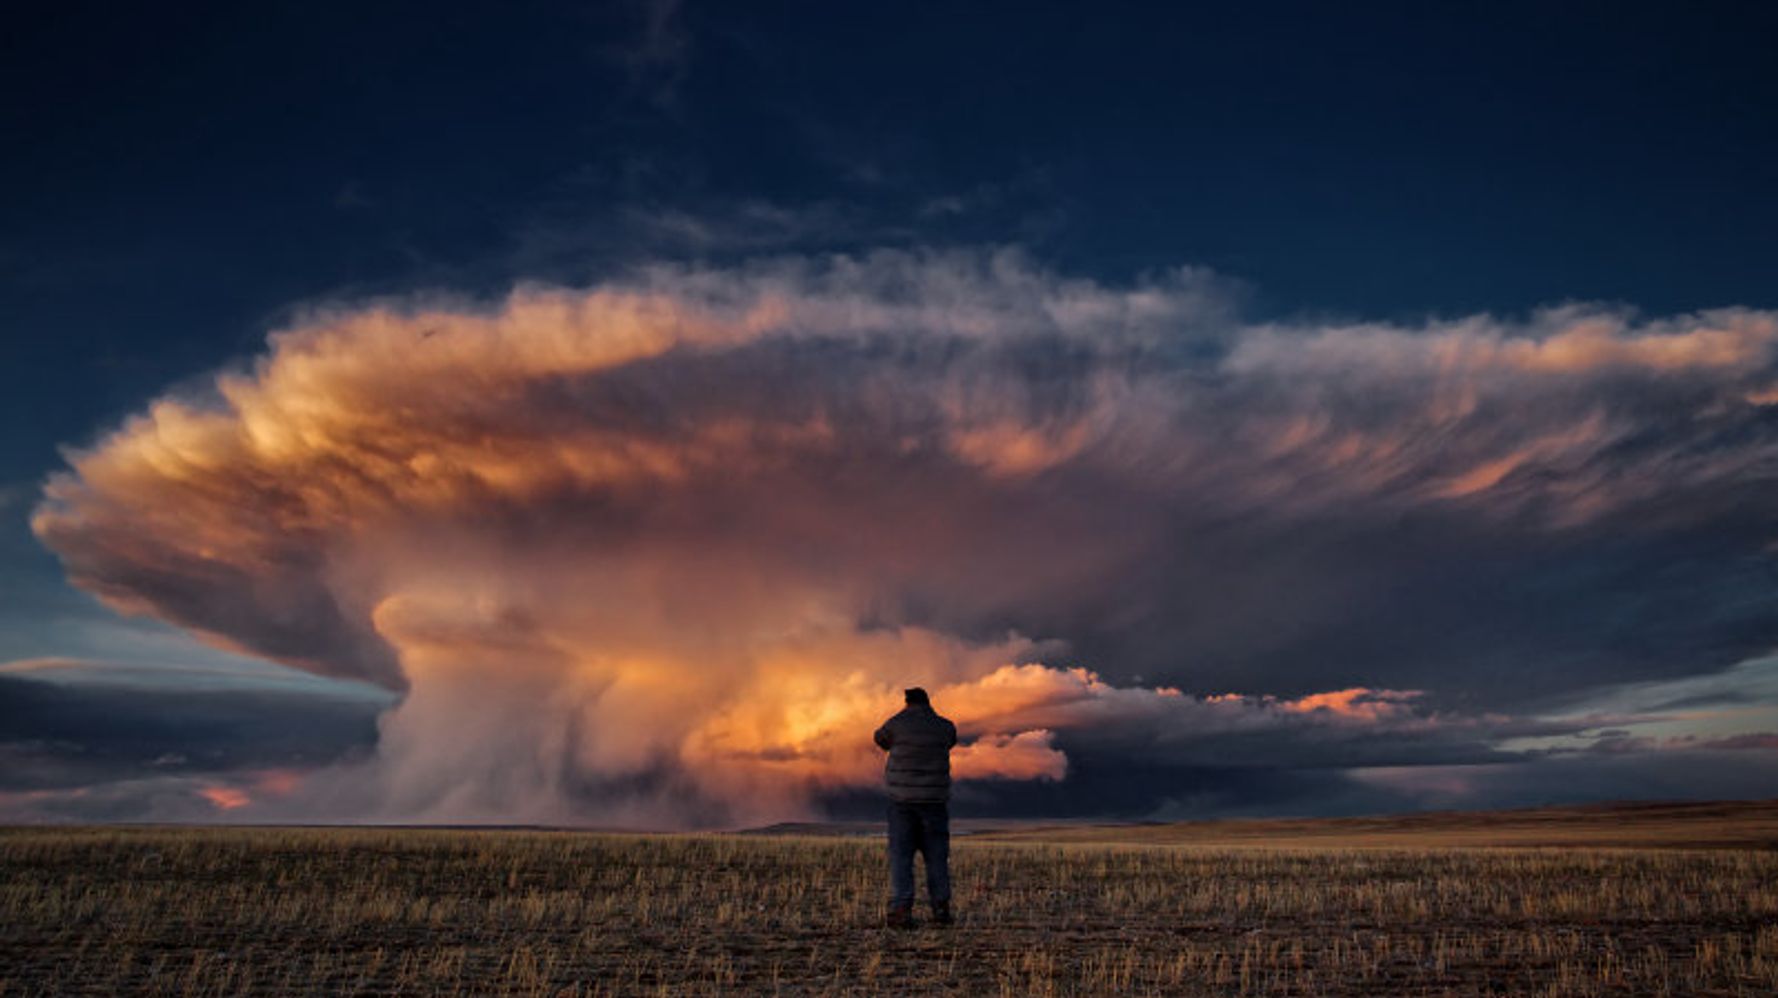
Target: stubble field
(403,911)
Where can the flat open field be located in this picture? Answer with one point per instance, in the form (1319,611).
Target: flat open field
(1687,825)
(386,911)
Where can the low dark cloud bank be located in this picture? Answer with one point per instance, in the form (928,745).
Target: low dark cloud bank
(109,750)
(660,550)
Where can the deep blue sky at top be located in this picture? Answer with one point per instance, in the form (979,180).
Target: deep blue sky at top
(176,177)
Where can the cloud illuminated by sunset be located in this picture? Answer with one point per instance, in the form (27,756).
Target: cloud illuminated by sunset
(665,550)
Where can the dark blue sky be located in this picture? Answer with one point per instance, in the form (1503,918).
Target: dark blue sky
(176,176)
(178,180)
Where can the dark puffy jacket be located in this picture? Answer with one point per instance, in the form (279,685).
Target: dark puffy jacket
(919,745)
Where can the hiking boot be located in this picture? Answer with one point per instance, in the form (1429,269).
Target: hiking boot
(901,916)
(941,913)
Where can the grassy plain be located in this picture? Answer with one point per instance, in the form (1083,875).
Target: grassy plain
(403,911)
(1653,825)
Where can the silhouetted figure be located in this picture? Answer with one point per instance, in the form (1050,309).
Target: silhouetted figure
(918,776)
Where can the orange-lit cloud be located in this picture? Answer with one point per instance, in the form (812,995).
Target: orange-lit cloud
(247,788)
(224,798)
(277,782)
(1357,703)
(666,550)
(1028,755)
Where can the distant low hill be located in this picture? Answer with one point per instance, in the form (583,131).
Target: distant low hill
(1638,825)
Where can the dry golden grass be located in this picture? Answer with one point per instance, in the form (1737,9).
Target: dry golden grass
(329,911)
(1668,825)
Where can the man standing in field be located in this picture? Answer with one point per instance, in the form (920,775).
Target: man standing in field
(918,776)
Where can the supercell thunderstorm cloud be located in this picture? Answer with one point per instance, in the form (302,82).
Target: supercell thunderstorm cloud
(663,551)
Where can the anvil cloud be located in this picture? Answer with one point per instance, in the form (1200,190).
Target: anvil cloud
(664,550)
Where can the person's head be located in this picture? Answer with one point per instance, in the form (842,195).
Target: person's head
(916,697)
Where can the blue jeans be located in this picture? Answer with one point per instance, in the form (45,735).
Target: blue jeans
(926,829)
